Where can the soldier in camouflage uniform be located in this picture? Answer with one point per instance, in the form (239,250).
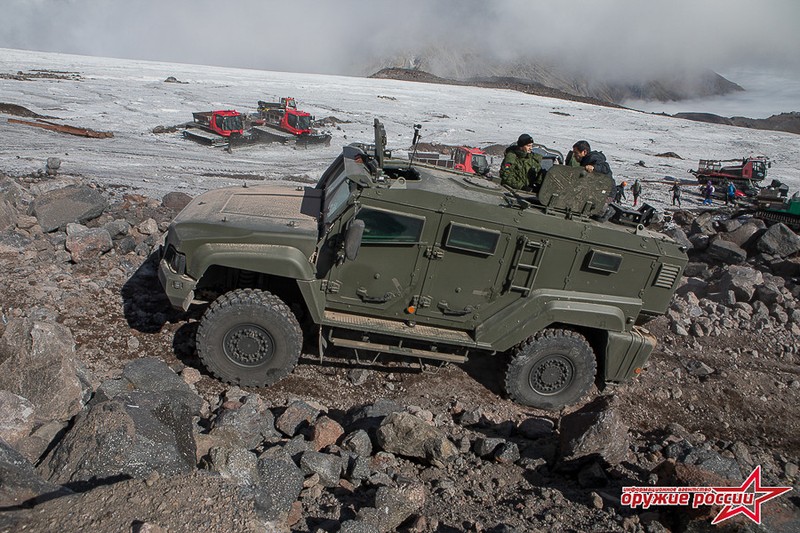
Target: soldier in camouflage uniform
(521,169)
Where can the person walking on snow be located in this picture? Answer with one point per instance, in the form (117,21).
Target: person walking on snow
(636,189)
(676,194)
(730,194)
(708,192)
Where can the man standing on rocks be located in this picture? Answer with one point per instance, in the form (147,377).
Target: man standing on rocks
(521,168)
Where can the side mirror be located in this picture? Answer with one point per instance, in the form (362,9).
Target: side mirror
(352,239)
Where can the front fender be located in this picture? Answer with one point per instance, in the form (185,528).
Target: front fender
(284,261)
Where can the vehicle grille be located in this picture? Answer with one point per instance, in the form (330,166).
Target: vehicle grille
(667,275)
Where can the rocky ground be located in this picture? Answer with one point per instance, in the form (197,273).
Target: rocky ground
(111,424)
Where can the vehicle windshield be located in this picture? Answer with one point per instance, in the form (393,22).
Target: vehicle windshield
(232,123)
(299,122)
(480,164)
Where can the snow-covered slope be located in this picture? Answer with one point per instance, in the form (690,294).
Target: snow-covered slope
(130,98)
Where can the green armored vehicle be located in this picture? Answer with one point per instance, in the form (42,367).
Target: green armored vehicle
(391,257)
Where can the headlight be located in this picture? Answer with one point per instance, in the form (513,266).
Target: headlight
(175,260)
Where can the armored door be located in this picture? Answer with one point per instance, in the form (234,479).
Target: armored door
(466,274)
(390,263)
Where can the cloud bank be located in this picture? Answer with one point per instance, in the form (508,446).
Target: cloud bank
(622,39)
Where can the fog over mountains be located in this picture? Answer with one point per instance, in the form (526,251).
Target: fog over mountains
(457,64)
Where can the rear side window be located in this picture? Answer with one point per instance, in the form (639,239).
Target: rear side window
(472,239)
(389,227)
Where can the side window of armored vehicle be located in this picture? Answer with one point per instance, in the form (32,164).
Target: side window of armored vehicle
(471,239)
(387,227)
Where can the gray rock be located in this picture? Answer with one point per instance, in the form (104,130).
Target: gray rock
(536,428)
(176,200)
(8,215)
(507,452)
(252,422)
(742,280)
(592,476)
(295,417)
(594,431)
(88,245)
(725,251)
(703,224)
(234,463)
(393,505)
(370,416)
(74,203)
(134,434)
(149,374)
(358,442)
(18,417)
(21,483)
(359,469)
(746,235)
(485,446)
(52,165)
(679,235)
(714,462)
(327,466)
(405,434)
(779,240)
(36,359)
(698,368)
(280,484)
(117,228)
(354,526)
(697,270)
(358,376)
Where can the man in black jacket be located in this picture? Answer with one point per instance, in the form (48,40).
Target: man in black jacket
(583,156)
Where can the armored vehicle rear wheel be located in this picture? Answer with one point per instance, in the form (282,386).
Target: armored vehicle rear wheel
(554,368)
(250,338)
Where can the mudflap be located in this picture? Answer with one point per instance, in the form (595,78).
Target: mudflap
(574,189)
(627,352)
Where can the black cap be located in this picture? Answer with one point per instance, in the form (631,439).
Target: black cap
(524,139)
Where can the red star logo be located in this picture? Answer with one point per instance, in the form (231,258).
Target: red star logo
(754,514)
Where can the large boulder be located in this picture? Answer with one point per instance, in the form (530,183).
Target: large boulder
(37,362)
(596,431)
(725,251)
(75,203)
(745,235)
(405,434)
(133,435)
(779,241)
(742,280)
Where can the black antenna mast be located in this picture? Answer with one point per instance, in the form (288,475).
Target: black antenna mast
(414,142)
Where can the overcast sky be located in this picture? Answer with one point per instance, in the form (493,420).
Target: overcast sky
(618,37)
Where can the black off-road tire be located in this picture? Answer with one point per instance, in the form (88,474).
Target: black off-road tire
(552,369)
(249,338)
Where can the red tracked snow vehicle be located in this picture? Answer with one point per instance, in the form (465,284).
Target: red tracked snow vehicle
(215,127)
(283,121)
(744,173)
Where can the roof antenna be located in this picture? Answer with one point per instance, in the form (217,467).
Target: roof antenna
(414,142)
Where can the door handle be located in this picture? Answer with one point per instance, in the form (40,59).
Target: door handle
(366,298)
(445,309)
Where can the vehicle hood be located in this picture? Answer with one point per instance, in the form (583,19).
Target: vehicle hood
(260,214)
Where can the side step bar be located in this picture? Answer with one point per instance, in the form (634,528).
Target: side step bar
(397,350)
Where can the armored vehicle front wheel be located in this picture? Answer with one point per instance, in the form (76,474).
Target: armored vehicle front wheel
(249,337)
(554,368)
